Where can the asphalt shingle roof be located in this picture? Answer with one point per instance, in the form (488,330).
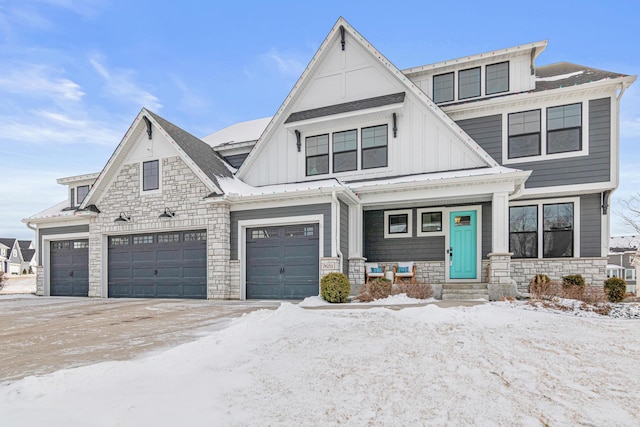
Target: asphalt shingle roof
(361,104)
(24,244)
(563,74)
(201,153)
(27,254)
(7,242)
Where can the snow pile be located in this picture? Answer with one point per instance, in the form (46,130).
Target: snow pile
(484,365)
(399,299)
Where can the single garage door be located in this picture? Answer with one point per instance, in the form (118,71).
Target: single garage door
(69,268)
(283,262)
(158,265)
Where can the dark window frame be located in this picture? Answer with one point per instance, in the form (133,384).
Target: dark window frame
(453,86)
(406,223)
(343,152)
(422,222)
(315,156)
(486,78)
(524,232)
(525,134)
(150,185)
(564,129)
(479,69)
(364,150)
(78,199)
(558,230)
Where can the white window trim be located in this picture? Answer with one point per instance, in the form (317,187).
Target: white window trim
(359,170)
(419,212)
(576,222)
(543,132)
(409,233)
(159,189)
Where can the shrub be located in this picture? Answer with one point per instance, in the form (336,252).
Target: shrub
(415,290)
(2,279)
(615,288)
(376,289)
(335,287)
(573,280)
(540,286)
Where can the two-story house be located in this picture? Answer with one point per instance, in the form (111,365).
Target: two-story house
(16,256)
(480,170)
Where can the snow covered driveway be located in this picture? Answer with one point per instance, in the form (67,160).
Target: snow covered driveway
(493,364)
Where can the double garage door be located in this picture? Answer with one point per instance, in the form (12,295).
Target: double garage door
(282,262)
(158,265)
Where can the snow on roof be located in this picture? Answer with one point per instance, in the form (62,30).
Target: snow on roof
(233,186)
(239,132)
(628,242)
(614,267)
(559,77)
(54,211)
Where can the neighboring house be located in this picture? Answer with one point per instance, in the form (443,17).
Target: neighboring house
(623,251)
(485,169)
(13,260)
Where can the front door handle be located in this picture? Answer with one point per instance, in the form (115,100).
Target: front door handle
(155,272)
(71,273)
(281,269)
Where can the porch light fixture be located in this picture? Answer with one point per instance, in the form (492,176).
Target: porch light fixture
(298,143)
(395,126)
(123,217)
(167,214)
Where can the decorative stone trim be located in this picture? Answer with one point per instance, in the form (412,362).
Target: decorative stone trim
(40,280)
(234,279)
(594,270)
(329,265)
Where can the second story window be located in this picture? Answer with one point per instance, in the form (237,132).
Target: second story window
(524,134)
(443,88)
(150,175)
(345,151)
(564,128)
(317,152)
(81,193)
(374,147)
(469,83)
(497,78)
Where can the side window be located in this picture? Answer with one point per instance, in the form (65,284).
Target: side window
(469,83)
(150,175)
(317,154)
(443,88)
(81,193)
(374,147)
(523,231)
(497,78)
(558,230)
(564,128)
(524,134)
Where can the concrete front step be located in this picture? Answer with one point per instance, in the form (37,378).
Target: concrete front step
(464,291)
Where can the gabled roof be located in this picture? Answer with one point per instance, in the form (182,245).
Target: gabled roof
(24,244)
(196,154)
(8,242)
(563,74)
(28,254)
(283,112)
(248,131)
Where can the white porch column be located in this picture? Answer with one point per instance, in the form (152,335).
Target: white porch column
(500,223)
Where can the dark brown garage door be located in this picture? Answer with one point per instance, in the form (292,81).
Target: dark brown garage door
(283,262)
(158,265)
(69,268)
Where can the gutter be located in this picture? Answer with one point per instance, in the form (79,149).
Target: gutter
(336,203)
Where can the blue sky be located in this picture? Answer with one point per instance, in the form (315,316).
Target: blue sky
(74,73)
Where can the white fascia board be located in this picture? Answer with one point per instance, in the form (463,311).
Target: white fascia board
(495,54)
(565,190)
(89,177)
(258,200)
(63,221)
(360,115)
(235,148)
(495,105)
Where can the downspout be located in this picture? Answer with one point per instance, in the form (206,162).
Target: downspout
(35,230)
(334,198)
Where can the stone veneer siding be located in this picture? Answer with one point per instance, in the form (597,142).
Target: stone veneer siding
(182,192)
(434,271)
(594,270)
(40,280)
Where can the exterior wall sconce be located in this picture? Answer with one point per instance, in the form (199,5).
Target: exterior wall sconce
(395,126)
(298,143)
(123,217)
(167,214)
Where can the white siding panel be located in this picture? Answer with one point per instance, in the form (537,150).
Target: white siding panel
(145,149)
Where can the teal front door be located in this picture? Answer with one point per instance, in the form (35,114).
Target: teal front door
(463,250)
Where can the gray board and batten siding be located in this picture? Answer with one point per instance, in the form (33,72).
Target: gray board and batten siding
(594,167)
(323,209)
(73,229)
(423,248)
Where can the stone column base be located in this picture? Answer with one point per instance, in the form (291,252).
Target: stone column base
(500,283)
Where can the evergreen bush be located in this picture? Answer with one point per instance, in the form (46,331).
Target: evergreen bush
(615,288)
(335,288)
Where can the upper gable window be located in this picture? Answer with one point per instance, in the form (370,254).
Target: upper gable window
(443,88)
(374,147)
(150,175)
(564,128)
(81,193)
(469,83)
(345,151)
(524,134)
(317,152)
(497,78)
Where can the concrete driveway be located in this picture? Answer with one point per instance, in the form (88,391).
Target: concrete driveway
(40,335)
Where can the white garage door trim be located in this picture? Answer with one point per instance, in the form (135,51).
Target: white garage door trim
(46,254)
(265,222)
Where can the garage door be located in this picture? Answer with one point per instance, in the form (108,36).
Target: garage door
(158,265)
(69,268)
(283,262)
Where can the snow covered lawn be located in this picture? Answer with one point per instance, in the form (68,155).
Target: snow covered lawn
(492,364)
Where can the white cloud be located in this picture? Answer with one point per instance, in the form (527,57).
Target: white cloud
(39,81)
(189,100)
(285,64)
(120,85)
